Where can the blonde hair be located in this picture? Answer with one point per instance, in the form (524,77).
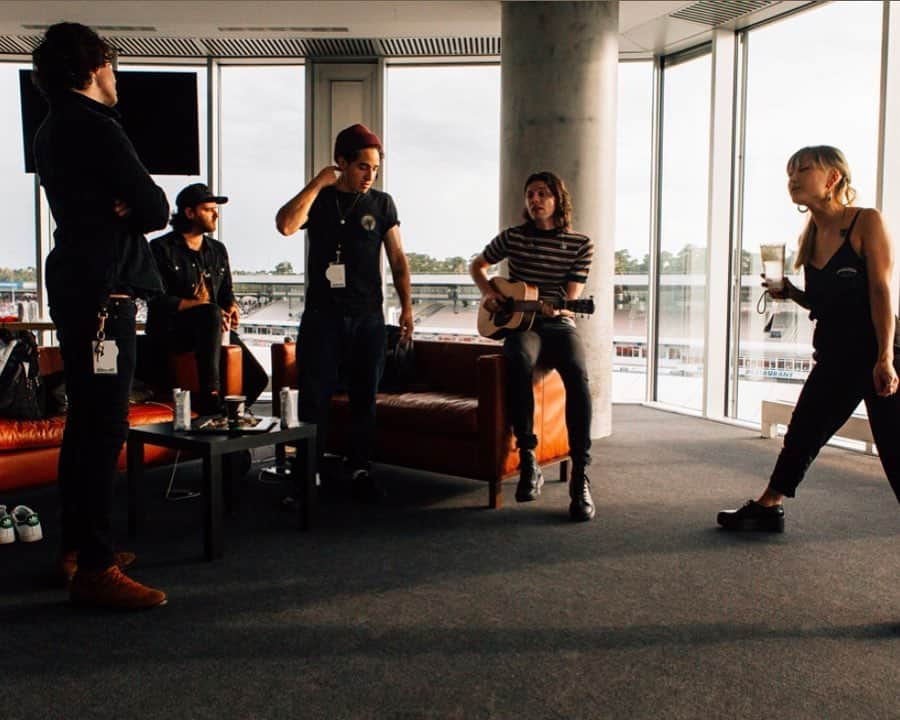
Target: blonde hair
(824,157)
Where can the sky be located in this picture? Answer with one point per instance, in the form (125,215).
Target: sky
(442,143)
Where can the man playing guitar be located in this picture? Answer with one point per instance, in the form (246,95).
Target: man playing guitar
(545,253)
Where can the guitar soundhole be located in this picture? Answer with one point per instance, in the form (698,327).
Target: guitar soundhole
(501,317)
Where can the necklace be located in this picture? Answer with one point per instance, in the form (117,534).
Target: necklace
(342,216)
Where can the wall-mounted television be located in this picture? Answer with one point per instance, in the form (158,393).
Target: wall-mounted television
(159,113)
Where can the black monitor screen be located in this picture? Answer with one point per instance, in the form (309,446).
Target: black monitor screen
(159,113)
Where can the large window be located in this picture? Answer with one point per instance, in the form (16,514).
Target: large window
(633,173)
(17,247)
(262,130)
(793,101)
(683,227)
(442,167)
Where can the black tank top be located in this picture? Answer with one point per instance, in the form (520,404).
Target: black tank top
(838,296)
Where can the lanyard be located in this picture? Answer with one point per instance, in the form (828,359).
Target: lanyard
(342,220)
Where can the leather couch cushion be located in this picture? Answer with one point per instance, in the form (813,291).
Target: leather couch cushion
(48,432)
(424,412)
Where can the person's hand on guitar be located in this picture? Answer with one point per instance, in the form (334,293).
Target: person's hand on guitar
(492,300)
(549,310)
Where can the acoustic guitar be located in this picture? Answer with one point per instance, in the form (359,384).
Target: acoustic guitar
(521,307)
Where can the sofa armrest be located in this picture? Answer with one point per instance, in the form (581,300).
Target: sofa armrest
(284,372)
(231,367)
(553,437)
(493,424)
(231,370)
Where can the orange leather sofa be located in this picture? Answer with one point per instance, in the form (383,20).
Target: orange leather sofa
(453,421)
(29,449)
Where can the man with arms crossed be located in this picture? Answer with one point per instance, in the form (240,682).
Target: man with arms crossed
(103,200)
(348,223)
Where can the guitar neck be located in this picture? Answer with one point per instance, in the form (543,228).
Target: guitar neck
(538,305)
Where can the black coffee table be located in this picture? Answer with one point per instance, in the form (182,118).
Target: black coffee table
(214,449)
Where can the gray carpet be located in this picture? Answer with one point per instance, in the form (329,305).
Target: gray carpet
(432,606)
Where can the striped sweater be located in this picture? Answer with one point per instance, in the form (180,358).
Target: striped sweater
(548,259)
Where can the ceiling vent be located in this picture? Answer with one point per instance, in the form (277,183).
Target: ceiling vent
(30,41)
(718,12)
(440,47)
(157,47)
(13,45)
(286,29)
(340,47)
(277,47)
(104,28)
(255,47)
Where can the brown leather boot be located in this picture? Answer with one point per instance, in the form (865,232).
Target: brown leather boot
(67,563)
(110,588)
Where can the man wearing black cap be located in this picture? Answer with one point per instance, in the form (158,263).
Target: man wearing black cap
(198,305)
(348,224)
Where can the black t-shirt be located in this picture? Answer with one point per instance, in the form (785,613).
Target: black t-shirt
(366,220)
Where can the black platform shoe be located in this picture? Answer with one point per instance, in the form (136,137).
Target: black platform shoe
(753,517)
(531,479)
(582,506)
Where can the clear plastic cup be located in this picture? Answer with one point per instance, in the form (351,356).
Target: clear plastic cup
(773,265)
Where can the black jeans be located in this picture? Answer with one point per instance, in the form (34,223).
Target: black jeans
(96,426)
(832,391)
(552,343)
(199,330)
(327,342)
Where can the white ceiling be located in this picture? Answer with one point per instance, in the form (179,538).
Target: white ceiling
(646,26)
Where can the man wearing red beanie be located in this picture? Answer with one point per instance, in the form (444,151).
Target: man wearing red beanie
(348,223)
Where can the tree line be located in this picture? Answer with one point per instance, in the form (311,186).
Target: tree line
(688,260)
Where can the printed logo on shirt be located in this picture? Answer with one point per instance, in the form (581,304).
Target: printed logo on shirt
(847,272)
(368,222)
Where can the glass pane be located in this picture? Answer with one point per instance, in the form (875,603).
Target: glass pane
(786,111)
(262,127)
(17,248)
(443,121)
(683,223)
(633,179)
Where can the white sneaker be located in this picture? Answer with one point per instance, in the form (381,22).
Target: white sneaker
(27,524)
(7,533)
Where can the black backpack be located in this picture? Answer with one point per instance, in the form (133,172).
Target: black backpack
(20,377)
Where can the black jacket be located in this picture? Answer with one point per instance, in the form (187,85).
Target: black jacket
(86,163)
(180,268)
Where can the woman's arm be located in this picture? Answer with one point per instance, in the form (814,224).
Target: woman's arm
(878,254)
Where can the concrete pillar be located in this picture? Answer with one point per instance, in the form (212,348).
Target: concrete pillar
(559,69)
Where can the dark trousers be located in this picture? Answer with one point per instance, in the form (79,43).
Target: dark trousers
(832,391)
(96,426)
(328,341)
(550,344)
(199,330)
